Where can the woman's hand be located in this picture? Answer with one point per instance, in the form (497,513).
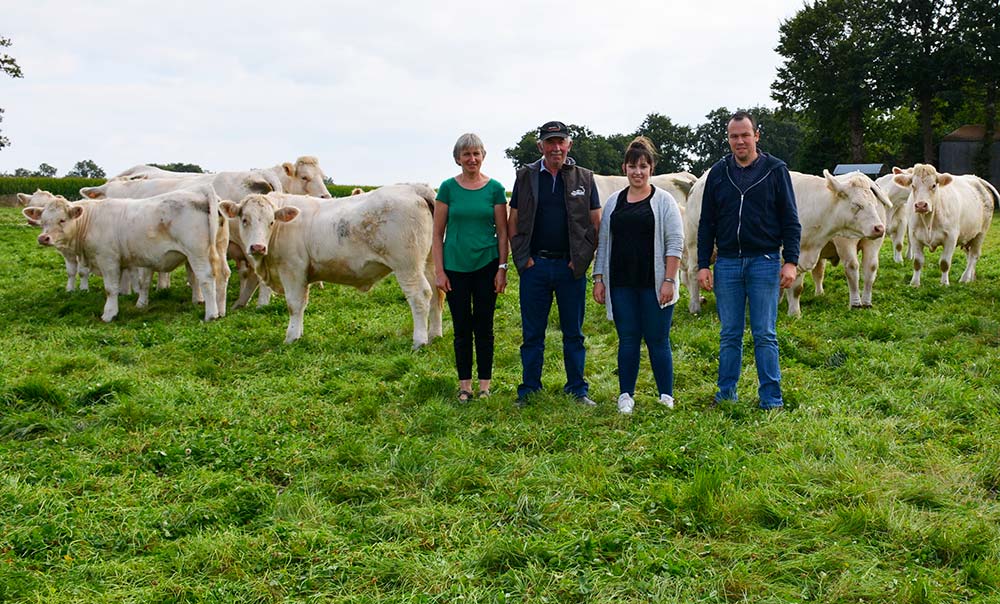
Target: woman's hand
(442,282)
(667,292)
(500,281)
(599,292)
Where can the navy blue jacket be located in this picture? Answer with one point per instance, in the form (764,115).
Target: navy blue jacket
(752,218)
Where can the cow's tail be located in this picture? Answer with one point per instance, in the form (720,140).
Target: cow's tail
(427,193)
(993,192)
(213,228)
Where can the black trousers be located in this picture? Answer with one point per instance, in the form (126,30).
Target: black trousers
(473,302)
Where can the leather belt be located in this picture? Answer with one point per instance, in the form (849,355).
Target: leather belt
(550,255)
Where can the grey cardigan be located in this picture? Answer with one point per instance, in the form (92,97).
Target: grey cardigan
(668,240)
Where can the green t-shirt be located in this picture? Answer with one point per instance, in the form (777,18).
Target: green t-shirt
(470,237)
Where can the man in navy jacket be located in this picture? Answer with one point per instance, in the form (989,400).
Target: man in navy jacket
(748,212)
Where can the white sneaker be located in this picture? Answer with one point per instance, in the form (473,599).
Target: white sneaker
(667,400)
(625,403)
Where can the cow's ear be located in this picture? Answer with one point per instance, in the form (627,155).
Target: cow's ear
(903,180)
(288,168)
(832,183)
(259,185)
(880,195)
(24,198)
(897,170)
(229,209)
(75,212)
(286,214)
(32,214)
(90,193)
(945,179)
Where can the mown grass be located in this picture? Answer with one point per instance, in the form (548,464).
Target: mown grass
(160,459)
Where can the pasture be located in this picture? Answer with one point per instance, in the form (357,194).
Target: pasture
(160,459)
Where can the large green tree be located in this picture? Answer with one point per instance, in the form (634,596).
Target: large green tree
(672,141)
(86,168)
(926,58)
(601,154)
(979,53)
(834,66)
(10,67)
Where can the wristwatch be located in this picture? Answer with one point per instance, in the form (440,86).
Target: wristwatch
(503,266)
(669,280)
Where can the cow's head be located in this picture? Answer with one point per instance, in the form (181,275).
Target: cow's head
(37,199)
(924,183)
(257,216)
(860,205)
(304,177)
(58,219)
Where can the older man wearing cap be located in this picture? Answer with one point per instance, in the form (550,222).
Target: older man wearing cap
(555,213)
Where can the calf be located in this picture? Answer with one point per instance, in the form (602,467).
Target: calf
(158,233)
(947,211)
(293,241)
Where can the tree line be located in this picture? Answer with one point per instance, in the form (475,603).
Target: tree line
(861,81)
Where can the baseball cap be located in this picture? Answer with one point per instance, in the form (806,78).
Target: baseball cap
(550,129)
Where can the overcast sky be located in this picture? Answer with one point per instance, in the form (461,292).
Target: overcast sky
(377,90)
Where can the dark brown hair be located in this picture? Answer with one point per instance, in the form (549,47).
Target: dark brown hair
(641,148)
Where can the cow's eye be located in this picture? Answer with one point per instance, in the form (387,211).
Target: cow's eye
(62,221)
(933,186)
(246,222)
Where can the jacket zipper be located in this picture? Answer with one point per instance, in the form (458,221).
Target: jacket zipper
(739,222)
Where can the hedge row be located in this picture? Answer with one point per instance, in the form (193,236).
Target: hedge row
(69,187)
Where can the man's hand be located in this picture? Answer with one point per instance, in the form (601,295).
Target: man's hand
(705,279)
(788,273)
(599,292)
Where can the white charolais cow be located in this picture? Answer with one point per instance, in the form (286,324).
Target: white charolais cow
(304,177)
(828,206)
(74,266)
(896,219)
(158,234)
(296,240)
(947,211)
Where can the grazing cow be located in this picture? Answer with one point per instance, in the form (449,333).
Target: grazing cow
(304,177)
(828,206)
(158,233)
(947,211)
(295,240)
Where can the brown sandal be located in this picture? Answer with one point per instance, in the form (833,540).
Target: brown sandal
(464,396)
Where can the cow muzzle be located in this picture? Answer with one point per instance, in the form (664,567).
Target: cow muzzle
(258,249)
(921,207)
(45,239)
(877,231)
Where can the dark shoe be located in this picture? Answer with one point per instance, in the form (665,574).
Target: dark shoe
(464,396)
(521,402)
(484,394)
(586,401)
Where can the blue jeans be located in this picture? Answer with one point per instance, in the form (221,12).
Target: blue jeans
(537,285)
(638,317)
(739,281)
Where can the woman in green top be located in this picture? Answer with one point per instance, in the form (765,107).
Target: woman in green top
(470,259)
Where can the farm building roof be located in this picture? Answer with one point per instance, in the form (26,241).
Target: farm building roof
(969,133)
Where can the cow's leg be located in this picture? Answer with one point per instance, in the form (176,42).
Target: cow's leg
(694,289)
(794,296)
(112,285)
(297,298)
(897,235)
(869,250)
(418,293)
(972,257)
(263,295)
(84,271)
(201,270)
(143,282)
(163,280)
(947,253)
(435,328)
(848,253)
(193,282)
(818,273)
(917,249)
(248,282)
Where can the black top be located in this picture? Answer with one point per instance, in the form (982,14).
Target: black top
(551,231)
(632,228)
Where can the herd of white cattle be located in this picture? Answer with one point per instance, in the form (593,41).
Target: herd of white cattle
(283,232)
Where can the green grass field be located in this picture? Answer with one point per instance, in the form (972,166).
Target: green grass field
(160,459)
